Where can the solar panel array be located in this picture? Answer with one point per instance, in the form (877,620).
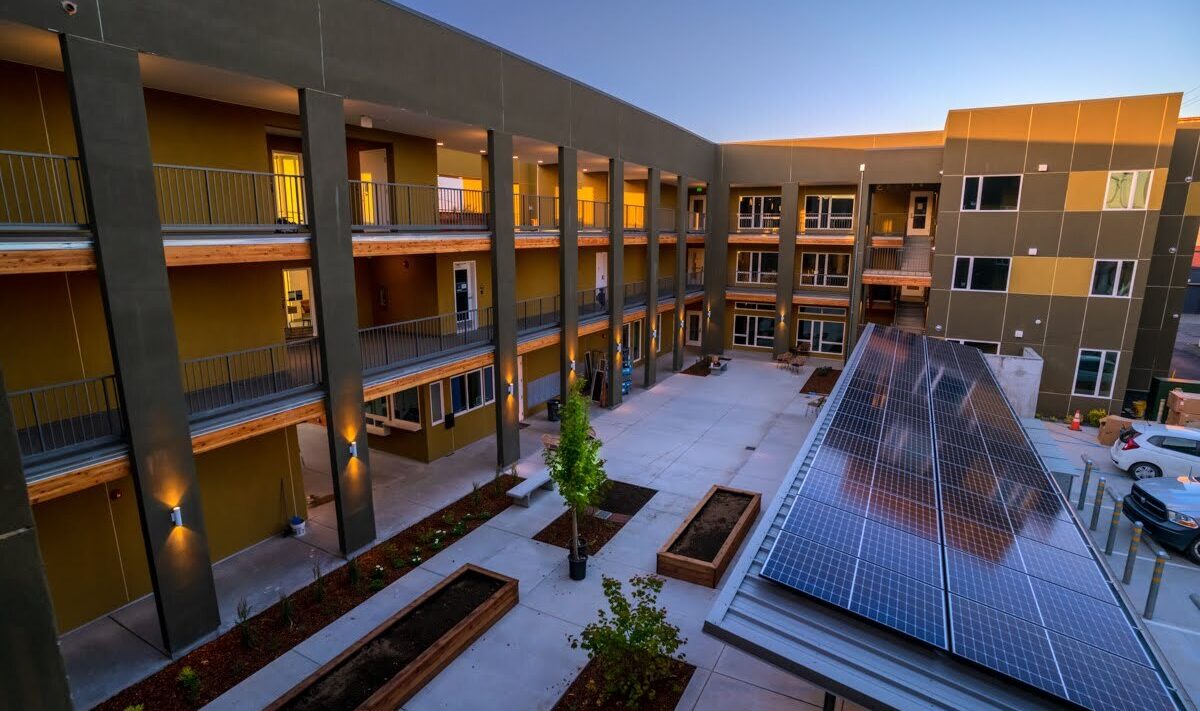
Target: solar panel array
(971,550)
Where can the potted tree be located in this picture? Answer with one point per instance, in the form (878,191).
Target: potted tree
(576,468)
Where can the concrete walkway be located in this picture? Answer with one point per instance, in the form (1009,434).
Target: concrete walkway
(742,428)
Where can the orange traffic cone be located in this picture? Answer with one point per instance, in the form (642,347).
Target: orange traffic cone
(1075,422)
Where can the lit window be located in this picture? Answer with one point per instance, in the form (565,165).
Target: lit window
(631,340)
(824,269)
(991,192)
(821,336)
(1113,277)
(828,212)
(757,268)
(401,410)
(981,273)
(1095,372)
(472,390)
(759,212)
(1128,189)
(754,331)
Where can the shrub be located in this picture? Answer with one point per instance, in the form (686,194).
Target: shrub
(318,583)
(460,528)
(353,573)
(393,556)
(476,498)
(1094,416)
(632,642)
(243,623)
(287,610)
(189,684)
(135,707)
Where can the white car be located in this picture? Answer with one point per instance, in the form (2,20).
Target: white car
(1148,450)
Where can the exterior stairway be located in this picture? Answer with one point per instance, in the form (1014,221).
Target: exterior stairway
(915,256)
(910,316)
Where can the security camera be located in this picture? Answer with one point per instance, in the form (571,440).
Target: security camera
(69,7)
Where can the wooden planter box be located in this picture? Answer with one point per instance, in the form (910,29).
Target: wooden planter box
(703,572)
(434,658)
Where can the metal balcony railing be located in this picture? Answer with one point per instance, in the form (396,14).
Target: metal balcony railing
(208,198)
(698,222)
(592,302)
(593,215)
(41,191)
(635,293)
(883,258)
(388,206)
(666,287)
(758,221)
(635,217)
(67,416)
(536,212)
(538,313)
(229,380)
(403,343)
(889,224)
(666,219)
(829,221)
(695,281)
(752,279)
(836,281)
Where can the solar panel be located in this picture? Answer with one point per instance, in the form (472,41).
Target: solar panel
(926,510)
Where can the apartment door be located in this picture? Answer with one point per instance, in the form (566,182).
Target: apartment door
(695,266)
(288,167)
(464,296)
(920,209)
(694,330)
(373,197)
(697,206)
(602,277)
(298,304)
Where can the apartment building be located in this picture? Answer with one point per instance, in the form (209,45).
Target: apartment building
(207,239)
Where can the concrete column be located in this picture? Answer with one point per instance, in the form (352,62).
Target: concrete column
(327,199)
(788,220)
(568,264)
(716,257)
(680,286)
(504,304)
(616,275)
(110,124)
(862,240)
(34,674)
(650,349)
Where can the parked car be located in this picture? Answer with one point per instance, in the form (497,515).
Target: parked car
(1153,450)
(1169,509)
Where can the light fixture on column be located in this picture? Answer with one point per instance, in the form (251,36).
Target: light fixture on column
(571,366)
(708,312)
(509,387)
(354,449)
(177,516)
(654,334)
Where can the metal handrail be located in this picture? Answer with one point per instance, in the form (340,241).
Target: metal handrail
(536,212)
(697,221)
(742,277)
(758,222)
(405,342)
(635,293)
(666,287)
(592,302)
(228,380)
(695,281)
(829,221)
(41,191)
(666,219)
(635,217)
(67,415)
(194,196)
(593,215)
(386,205)
(538,313)
(883,258)
(836,281)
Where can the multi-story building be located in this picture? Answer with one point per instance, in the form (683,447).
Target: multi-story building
(213,229)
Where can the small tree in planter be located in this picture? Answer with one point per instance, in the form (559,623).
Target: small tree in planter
(576,468)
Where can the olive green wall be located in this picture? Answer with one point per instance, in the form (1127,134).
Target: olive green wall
(227,307)
(408,284)
(537,273)
(37,113)
(635,263)
(445,279)
(538,364)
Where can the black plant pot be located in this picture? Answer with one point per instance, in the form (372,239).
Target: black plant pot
(578,566)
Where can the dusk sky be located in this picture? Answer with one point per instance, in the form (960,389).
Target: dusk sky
(749,70)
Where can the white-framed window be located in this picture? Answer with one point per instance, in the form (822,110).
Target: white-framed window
(759,212)
(821,310)
(981,273)
(1128,189)
(825,269)
(989,347)
(753,306)
(472,390)
(828,212)
(757,268)
(631,339)
(821,336)
(1095,372)
(754,331)
(437,406)
(400,410)
(991,192)
(1113,277)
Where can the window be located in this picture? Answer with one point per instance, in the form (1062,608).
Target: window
(981,273)
(821,310)
(753,306)
(828,212)
(1095,372)
(757,267)
(824,269)
(759,212)
(472,390)
(1128,189)
(1111,277)
(821,336)
(631,339)
(437,408)
(401,410)
(1182,445)
(991,192)
(754,331)
(990,347)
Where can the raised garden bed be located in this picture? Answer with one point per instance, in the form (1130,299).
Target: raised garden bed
(701,548)
(396,659)
(621,501)
(586,691)
(227,660)
(821,382)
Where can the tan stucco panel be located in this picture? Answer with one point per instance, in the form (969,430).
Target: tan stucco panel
(1085,190)
(1072,276)
(1191,208)
(1031,275)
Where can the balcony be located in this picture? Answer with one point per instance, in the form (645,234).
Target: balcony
(635,294)
(907,265)
(829,221)
(536,212)
(819,280)
(192,199)
(593,216)
(635,218)
(592,303)
(41,193)
(889,224)
(758,222)
(538,313)
(400,207)
(697,222)
(748,279)
(406,343)
(693,284)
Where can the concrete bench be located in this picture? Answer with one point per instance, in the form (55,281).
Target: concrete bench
(538,480)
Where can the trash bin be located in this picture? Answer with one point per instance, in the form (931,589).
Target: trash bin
(553,409)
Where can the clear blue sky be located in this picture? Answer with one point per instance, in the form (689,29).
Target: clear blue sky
(753,69)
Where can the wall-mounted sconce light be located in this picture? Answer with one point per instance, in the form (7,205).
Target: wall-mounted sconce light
(177,516)
(571,366)
(654,333)
(441,143)
(681,323)
(509,387)
(354,449)
(862,167)
(708,312)
(938,328)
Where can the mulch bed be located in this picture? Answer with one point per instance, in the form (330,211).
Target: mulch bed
(227,660)
(821,384)
(586,691)
(621,499)
(699,368)
(706,533)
